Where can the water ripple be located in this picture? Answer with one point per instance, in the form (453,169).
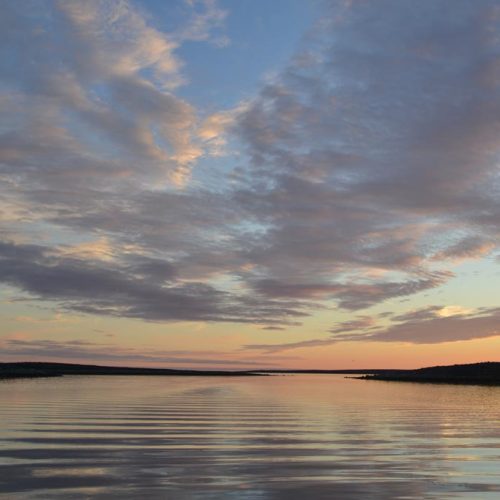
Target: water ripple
(320,436)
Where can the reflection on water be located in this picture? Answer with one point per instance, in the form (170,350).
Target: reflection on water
(279,437)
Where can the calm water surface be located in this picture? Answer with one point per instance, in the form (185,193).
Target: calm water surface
(278,437)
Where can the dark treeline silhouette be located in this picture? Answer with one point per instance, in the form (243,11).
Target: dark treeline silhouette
(34,369)
(360,371)
(41,369)
(486,373)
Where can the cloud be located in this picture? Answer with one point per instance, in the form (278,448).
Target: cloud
(360,323)
(431,312)
(288,346)
(85,351)
(100,79)
(359,326)
(215,128)
(467,248)
(365,169)
(376,149)
(136,287)
(207,17)
(428,325)
(438,327)
(353,296)
(100,249)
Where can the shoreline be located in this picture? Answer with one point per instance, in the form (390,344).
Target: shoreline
(35,369)
(485,373)
(39,369)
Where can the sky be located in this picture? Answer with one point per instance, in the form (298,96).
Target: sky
(250,184)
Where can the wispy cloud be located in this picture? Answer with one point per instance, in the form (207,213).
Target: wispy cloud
(428,325)
(206,18)
(437,325)
(136,287)
(85,351)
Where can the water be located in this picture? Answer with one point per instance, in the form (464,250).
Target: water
(278,437)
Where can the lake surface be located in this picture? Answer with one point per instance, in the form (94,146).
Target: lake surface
(275,437)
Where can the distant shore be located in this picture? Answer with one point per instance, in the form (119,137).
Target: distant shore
(33,369)
(487,373)
(41,369)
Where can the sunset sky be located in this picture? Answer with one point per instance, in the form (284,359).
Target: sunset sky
(250,183)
